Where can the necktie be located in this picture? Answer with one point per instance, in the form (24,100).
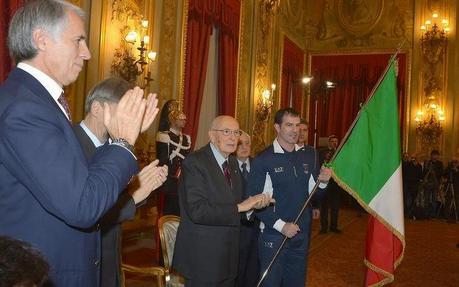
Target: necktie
(245,172)
(226,172)
(63,101)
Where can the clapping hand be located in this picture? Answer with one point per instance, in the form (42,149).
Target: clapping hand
(132,115)
(150,112)
(150,178)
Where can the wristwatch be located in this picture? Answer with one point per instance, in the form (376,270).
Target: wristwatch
(124,143)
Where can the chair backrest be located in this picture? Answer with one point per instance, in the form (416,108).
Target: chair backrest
(167,226)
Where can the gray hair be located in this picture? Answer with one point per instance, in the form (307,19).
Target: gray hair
(109,90)
(49,15)
(245,133)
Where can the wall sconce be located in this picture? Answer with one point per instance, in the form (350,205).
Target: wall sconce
(429,122)
(434,38)
(262,112)
(265,103)
(430,116)
(130,67)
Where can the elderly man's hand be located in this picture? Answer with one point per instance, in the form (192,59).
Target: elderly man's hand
(255,202)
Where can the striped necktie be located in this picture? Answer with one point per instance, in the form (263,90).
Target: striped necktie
(63,101)
(226,172)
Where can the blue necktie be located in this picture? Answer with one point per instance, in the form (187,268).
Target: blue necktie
(245,172)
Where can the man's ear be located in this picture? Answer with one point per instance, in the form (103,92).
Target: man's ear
(277,127)
(211,136)
(40,38)
(97,109)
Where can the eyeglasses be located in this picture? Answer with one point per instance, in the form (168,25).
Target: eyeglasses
(228,132)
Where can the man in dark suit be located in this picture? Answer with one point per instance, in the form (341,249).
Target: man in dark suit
(92,134)
(210,192)
(333,192)
(49,192)
(249,267)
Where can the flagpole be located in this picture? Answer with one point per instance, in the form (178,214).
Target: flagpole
(313,191)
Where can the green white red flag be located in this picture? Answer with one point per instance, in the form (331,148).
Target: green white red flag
(368,166)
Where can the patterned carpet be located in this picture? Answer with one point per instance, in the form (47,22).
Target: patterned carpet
(431,257)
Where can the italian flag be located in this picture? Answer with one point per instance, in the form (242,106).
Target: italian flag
(368,166)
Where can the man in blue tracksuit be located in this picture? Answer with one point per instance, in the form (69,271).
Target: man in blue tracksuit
(289,173)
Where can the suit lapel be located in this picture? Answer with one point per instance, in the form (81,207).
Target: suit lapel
(35,87)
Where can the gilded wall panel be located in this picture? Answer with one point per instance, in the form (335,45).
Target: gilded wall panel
(342,24)
(266,10)
(168,50)
(244,102)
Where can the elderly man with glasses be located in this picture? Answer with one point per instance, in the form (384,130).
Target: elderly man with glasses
(210,193)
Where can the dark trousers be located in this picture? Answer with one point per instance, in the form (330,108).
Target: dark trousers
(171,204)
(330,202)
(197,283)
(290,267)
(249,267)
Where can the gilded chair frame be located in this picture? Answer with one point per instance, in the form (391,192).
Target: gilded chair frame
(161,222)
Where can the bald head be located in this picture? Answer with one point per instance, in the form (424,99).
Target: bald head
(224,134)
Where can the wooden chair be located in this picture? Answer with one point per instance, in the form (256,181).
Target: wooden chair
(168,226)
(157,271)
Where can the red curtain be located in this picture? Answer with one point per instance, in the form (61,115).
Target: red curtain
(202,16)
(228,57)
(292,72)
(199,29)
(355,76)
(7,9)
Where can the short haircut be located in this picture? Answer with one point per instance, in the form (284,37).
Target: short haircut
(49,15)
(245,133)
(109,90)
(330,137)
(435,152)
(21,264)
(304,122)
(279,116)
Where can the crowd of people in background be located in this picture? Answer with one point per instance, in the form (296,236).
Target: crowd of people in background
(430,188)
